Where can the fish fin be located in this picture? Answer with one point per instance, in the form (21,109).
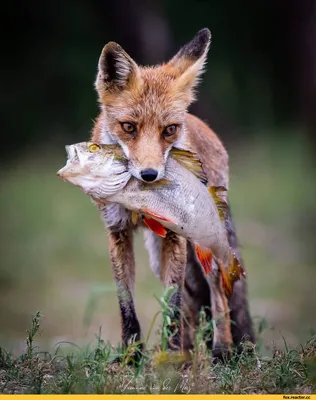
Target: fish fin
(226,281)
(236,269)
(221,205)
(190,161)
(134,217)
(205,257)
(231,275)
(156,216)
(155,226)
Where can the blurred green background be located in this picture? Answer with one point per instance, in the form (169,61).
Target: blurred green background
(258,94)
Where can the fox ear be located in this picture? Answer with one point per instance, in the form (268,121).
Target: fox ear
(188,64)
(116,69)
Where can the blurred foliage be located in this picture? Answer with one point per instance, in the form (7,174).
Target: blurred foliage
(261,68)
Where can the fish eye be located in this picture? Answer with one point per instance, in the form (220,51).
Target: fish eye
(170,130)
(93,148)
(128,127)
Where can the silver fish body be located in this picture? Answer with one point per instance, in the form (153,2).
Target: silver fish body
(184,203)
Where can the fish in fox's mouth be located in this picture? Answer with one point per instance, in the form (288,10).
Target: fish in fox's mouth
(180,202)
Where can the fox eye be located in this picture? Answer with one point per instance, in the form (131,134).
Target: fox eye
(93,148)
(128,127)
(170,130)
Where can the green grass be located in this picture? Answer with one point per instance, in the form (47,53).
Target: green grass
(102,368)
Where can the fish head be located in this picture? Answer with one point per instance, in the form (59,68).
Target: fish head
(90,165)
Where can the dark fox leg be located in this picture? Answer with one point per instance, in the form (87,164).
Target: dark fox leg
(122,258)
(173,261)
(241,326)
(117,220)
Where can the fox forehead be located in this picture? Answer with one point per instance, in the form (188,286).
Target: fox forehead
(152,98)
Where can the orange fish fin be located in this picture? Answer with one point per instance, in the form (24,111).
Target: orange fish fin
(231,275)
(226,281)
(221,205)
(236,269)
(205,257)
(190,161)
(156,216)
(155,226)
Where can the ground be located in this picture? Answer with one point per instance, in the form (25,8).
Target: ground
(105,369)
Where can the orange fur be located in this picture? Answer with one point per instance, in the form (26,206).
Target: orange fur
(153,98)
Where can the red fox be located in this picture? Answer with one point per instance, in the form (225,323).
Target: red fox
(144,109)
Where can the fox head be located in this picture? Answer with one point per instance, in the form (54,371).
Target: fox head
(143,108)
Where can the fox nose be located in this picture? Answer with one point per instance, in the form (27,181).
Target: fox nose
(149,175)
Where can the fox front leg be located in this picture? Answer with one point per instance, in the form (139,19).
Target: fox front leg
(117,220)
(123,264)
(173,262)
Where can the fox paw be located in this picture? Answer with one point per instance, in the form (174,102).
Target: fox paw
(221,353)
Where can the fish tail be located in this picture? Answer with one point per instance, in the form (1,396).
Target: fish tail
(232,274)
